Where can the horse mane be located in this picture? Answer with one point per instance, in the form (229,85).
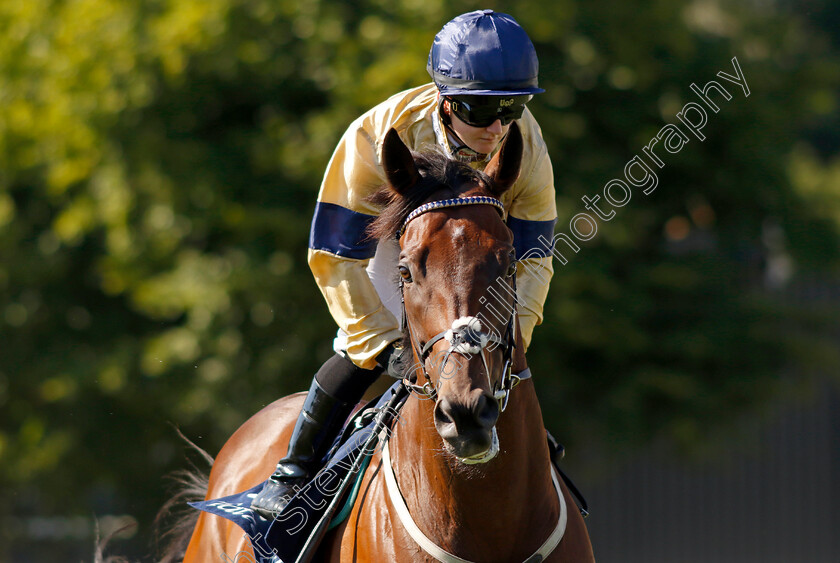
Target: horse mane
(438,173)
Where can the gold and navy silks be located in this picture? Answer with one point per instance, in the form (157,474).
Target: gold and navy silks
(339,251)
(340,231)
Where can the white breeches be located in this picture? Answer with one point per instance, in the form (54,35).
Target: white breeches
(382,271)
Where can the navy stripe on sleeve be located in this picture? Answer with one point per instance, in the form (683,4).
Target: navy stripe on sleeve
(341,231)
(526,236)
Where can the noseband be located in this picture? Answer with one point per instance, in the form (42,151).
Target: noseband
(466,336)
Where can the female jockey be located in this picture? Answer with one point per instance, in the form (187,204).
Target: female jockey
(485,70)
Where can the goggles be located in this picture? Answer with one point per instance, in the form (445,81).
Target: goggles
(483,111)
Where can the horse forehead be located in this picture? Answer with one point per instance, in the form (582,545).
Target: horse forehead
(458,231)
(467,224)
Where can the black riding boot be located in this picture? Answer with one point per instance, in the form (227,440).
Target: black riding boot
(317,426)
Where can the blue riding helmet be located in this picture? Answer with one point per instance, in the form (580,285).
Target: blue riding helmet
(484,53)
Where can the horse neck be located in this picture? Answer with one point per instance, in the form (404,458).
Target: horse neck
(509,499)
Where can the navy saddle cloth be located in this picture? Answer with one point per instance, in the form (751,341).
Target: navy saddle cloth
(299,526)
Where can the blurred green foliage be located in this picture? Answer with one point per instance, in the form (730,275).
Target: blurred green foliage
(159,163)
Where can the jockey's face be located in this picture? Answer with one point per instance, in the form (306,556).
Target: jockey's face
(480,139)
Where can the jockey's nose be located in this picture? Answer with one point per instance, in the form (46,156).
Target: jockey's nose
(467,425)
(496,127)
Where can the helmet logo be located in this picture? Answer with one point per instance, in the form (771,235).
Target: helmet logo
(506,103)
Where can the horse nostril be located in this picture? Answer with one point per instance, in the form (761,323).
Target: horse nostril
(482,414)
(487,411)
(444,412)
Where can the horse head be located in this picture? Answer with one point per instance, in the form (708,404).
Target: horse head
(457,268)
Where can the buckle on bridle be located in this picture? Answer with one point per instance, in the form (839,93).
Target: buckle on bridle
(425,391)
(506,384)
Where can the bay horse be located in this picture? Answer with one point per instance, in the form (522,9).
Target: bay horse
(477,482)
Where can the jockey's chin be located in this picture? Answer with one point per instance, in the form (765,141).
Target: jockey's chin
(480,139)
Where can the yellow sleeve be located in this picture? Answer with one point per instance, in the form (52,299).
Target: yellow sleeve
(532,216)
(355,305)
(339,251)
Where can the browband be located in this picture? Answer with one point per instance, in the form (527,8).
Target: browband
(456,202)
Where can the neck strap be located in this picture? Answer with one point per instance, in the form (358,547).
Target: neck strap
(441,554)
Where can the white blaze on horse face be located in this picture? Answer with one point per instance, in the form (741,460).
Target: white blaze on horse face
(458,232)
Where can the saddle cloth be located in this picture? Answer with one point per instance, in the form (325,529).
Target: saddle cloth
(296,527)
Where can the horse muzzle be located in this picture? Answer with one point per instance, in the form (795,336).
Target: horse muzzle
(469,429)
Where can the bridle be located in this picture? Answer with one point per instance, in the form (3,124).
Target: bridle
(466,336)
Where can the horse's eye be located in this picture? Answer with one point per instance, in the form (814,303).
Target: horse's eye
(405,273)
(511,269)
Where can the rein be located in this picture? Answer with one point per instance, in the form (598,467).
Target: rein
(466,336)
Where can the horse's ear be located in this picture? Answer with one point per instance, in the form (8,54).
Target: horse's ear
(504,167)
(398,163)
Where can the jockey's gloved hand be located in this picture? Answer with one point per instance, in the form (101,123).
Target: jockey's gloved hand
(393,359)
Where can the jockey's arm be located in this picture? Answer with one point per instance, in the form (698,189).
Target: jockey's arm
(339,251)
(532,216)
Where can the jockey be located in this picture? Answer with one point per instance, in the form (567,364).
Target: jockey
(484,69)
